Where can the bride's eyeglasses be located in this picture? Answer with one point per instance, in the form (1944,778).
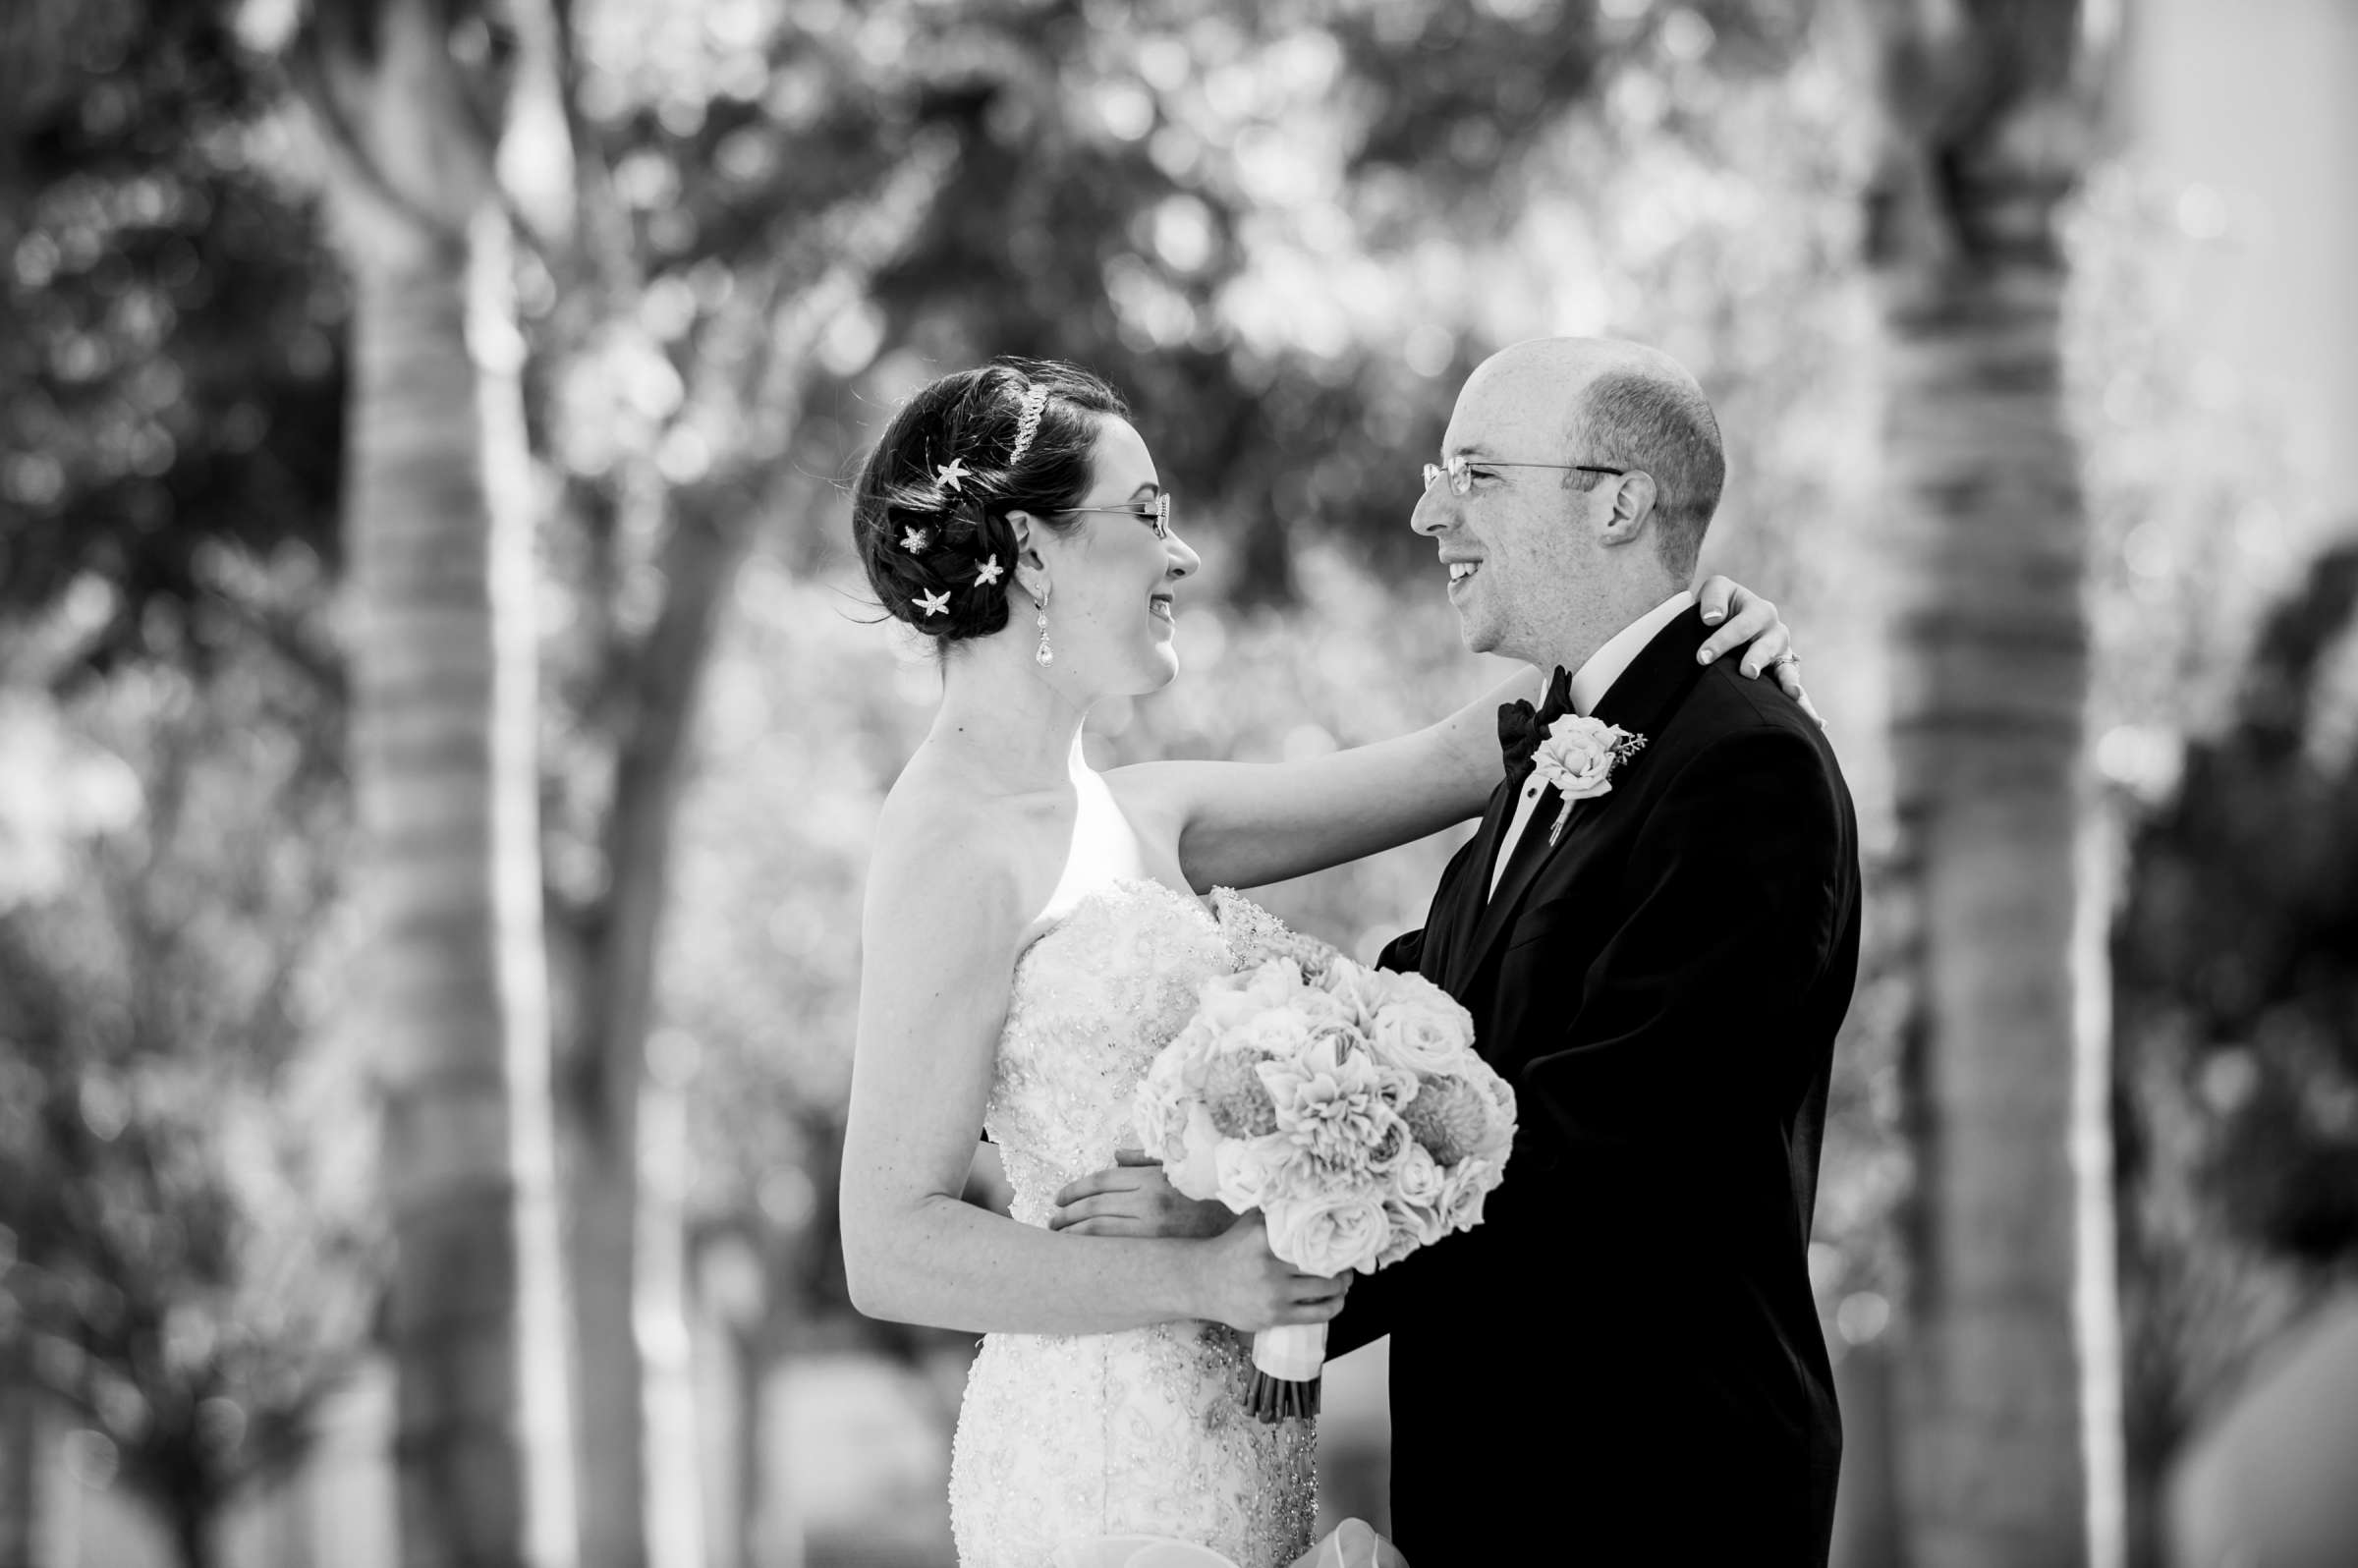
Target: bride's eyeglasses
(1154,514)
(1462,469)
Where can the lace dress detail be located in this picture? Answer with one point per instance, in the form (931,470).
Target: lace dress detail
(1144,1432)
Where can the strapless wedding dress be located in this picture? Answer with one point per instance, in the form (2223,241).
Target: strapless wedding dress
(1067,1437)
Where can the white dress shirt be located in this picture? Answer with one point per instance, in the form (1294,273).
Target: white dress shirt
(1589,682)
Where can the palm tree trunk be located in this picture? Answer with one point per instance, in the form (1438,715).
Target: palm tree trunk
(2008,1391)
(442,750)
(443,657)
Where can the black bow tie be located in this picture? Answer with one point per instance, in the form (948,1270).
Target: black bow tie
(1520,730)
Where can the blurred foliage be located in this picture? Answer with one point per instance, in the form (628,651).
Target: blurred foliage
(184,1218)
(2200,520)
(2236,983)
(170,356)
(2202,539)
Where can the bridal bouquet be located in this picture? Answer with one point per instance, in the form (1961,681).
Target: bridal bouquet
(1346,1104)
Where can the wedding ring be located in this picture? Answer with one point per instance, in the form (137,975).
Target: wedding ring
(1782,659)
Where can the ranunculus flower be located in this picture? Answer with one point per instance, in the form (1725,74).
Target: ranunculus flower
(1328,1233)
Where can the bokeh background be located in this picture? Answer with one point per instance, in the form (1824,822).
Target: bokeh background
(442,730)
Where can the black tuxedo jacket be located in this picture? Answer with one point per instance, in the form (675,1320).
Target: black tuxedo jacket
(1624,1363)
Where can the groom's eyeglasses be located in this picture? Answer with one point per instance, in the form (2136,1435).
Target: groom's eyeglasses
(1462,471)
(1154,514)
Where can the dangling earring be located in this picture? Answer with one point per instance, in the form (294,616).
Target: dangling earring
(1043,655)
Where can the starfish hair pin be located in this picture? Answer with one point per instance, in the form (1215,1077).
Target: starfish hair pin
(949,473)
(934,603)
(990,571)
(914,540)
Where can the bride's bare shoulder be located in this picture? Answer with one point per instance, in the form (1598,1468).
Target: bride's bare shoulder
(943,852)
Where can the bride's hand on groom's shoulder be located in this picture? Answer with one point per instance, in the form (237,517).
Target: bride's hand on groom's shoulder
(1747,621)
(1135,1199)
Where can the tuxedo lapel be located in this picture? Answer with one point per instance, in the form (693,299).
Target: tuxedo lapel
(1461,902)
(1530,853)
(1647,693)
(1658,679)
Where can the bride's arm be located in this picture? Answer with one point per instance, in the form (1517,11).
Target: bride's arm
(941,934)
(1244,824)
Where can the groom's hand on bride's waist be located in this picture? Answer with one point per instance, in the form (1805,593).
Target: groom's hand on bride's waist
(1135,1199)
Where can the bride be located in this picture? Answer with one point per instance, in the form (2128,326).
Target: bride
(1032,938)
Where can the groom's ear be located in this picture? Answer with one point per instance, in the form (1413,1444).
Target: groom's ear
(1633,508)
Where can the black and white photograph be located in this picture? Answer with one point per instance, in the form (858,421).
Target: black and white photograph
(1232,784)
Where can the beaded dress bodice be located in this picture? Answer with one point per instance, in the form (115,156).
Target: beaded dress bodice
(1071,1437)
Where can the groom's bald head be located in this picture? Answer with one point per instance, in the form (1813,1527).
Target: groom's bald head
(1625,405)
(1547,558)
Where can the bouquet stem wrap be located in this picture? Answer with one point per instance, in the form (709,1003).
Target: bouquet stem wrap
(1285,1371)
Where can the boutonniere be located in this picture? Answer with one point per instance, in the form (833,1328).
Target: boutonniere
(1579,757)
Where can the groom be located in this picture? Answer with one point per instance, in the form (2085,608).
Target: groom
(1623,1364)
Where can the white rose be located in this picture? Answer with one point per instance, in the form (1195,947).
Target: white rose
(1409,1227)
(1328,1233)
(1578,756)
(1342,1034)
(1397,1243)
(1255,1172)
(1406,986)
(1223,1003)
(1500,1094)
(1411,1033)
(1467,1185)
(1419,1178)
(1282,1032)
(1277,982)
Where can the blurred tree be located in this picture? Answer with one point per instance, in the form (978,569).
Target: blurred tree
(170,373)
(2009,1391)
(185,1266)
(2235,994)
(434,121)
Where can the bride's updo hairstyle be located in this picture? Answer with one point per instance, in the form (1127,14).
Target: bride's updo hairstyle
(929,512)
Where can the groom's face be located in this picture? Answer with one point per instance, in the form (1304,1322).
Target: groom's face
(1518,545)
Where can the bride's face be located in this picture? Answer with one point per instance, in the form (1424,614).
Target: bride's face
(1113,576)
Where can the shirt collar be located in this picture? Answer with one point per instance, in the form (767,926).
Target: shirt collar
(1595,678)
